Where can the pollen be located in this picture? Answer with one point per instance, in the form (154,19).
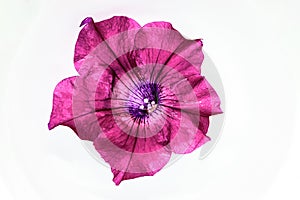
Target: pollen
(142,107)
(151,108)
(146,100)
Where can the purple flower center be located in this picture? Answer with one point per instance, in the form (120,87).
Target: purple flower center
(144,100)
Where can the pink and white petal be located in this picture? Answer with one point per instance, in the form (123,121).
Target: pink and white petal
(94,34)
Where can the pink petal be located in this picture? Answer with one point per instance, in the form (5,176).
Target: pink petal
(159,41)
(136,136)
(134,159)
(178,63)
(74,106)
(120,176)
(94,34)
(86,105)
(195,113)
(191,126)
(62,113)
(189,137)
(208,98)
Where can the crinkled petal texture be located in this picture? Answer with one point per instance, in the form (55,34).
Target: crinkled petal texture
(94,34)
(62,113)
(140,95)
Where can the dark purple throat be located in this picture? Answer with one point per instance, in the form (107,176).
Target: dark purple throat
(144,100)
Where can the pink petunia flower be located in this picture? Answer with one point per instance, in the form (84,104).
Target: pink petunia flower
(139,95)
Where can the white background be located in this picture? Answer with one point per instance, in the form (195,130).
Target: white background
(255,45)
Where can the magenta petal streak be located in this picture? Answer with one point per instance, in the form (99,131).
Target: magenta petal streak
(139,96)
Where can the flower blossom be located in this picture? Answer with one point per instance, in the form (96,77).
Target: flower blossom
(139,96)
